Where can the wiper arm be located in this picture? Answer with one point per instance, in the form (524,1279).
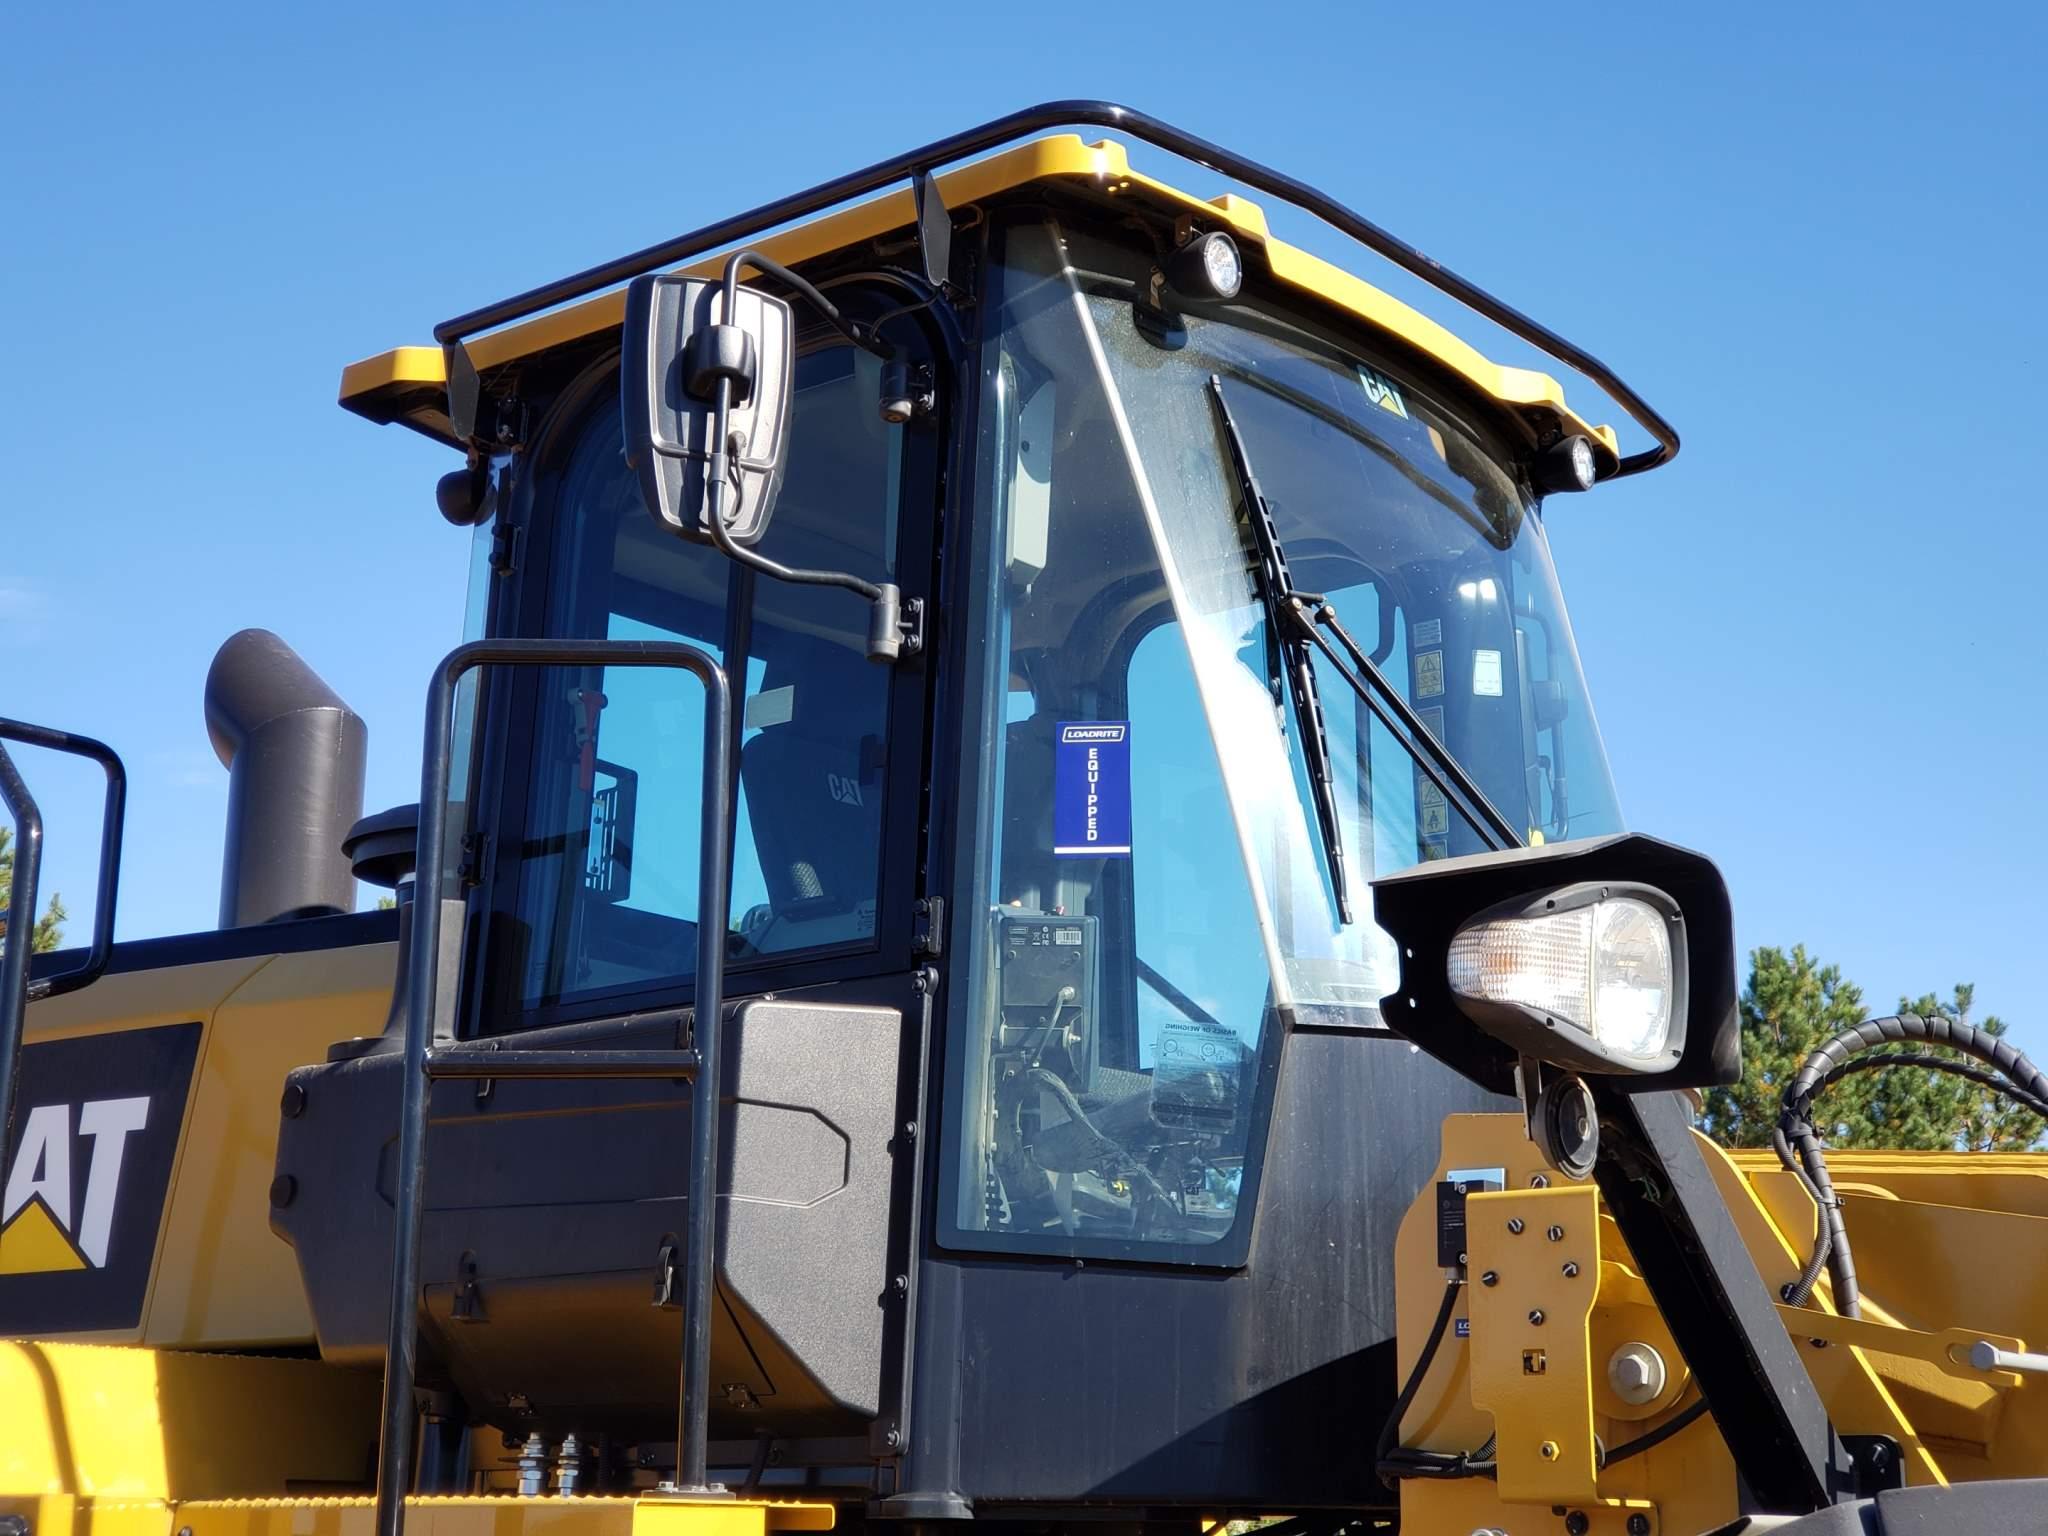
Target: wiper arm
(1276,588)
(1307,614)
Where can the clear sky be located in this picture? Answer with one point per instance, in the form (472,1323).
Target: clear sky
(1812,235)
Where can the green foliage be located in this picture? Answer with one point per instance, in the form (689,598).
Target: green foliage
(49,929)
(1792,1005)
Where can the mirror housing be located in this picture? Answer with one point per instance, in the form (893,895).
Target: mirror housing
(677,346)
(1427,907)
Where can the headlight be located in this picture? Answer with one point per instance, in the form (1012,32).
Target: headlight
(1604,969)
(1589,977)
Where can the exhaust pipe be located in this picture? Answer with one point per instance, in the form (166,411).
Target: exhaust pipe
(294,755)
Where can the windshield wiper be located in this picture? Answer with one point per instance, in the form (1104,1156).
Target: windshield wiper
(1276,587)
(1302,617)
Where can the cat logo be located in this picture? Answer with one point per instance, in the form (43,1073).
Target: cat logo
(88,1175)
(42,1226)
(844,790)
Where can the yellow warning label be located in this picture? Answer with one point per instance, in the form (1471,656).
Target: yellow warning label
(33,1243)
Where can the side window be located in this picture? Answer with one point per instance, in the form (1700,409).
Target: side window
(606,885)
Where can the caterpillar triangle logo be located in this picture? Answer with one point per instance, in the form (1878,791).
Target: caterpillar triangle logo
(43,1228)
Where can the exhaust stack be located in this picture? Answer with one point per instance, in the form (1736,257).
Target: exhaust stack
(294,754)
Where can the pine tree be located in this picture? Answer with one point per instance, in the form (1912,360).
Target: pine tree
(49,928)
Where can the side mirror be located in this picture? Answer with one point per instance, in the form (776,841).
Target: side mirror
(679,347)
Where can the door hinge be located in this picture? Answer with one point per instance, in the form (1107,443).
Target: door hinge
(504,547)
(667,1260)
(468,1306)
(928,926)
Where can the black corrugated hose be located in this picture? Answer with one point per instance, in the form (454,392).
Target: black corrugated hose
(1798,1144)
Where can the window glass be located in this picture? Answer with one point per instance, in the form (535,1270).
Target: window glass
(607,889)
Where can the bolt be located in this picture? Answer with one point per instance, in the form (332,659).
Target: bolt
(1548,1450)
(1571,1269)
(901,1285)
(1555,1234)
(893,1438)
(1491,1277)
(1636,1372)
(1515,1225)
(1536,1317)
(294,1102)
(1639,1524)
(910,1129)
(1576,1523)
(1539,1181)
(283,1190)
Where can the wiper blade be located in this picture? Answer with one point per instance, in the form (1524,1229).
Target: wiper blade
(1276,587)
(1307,614)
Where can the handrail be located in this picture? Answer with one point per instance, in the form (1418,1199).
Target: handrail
(1097,114)
(17,991)
(395,1445)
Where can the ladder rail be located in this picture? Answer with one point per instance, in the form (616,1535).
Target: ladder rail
(422,1064)
(17,988)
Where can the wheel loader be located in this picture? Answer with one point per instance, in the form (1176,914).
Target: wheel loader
(1017,917)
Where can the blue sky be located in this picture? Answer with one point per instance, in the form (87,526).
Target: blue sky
(1811,235)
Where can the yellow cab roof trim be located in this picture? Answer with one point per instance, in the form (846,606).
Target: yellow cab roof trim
(375,386)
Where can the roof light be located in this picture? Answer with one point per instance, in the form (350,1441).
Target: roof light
(1567,465)
(1207,267)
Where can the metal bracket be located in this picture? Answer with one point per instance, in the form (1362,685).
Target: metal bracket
(928,926)
(1537,1253)
(667,1262)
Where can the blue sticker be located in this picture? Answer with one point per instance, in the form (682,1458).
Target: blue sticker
(1464,1328)
(1091,815)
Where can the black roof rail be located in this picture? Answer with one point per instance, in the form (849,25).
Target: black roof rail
(1095,114)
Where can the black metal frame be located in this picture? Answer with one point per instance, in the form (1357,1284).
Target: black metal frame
(16,990)
(423,1063)
(1098,114)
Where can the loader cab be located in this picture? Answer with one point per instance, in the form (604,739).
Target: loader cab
(1057,1092)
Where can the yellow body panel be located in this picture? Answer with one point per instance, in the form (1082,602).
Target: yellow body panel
(220,1277)
(1940,1270)
(392,385)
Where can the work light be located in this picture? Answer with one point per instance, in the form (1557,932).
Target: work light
(1207,267)
(1581,959)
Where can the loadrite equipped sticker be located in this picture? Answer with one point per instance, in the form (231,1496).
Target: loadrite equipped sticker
(1091,815)
(95,1133)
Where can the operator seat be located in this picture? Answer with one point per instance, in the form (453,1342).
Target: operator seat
(813,785)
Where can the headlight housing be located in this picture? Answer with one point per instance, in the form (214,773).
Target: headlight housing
(1613,957)
(1589,976)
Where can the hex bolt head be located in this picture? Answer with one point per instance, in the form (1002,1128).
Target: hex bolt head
(1536,1317)
(1555,1234)
(1515,1225)
(1539,1181)
(1639,1524)
(1491,1277)
(1637,1373)
(1571,1269)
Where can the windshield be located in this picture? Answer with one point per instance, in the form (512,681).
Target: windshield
(1157,884)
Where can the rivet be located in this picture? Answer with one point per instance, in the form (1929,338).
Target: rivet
(294,1101)
(1576,1523)
(283,1190)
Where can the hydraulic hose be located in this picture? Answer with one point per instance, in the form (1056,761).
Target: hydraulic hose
(2018,1080)
(1390,1432)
